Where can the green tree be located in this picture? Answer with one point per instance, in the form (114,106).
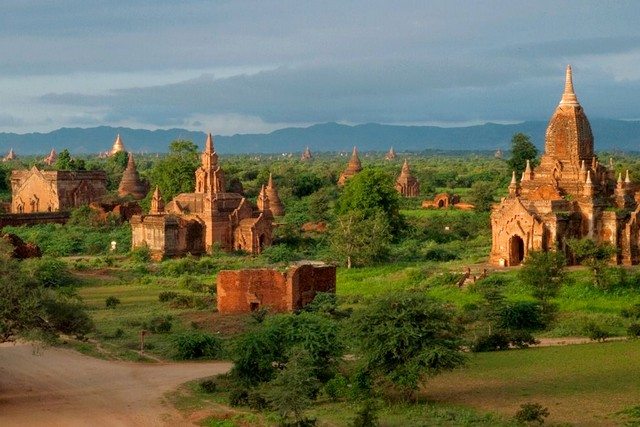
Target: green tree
(543,272)
(359,240)
(482,195)
(175,173)
(371,192)
(66,162)
(596,256)
(406,337)
(522,149)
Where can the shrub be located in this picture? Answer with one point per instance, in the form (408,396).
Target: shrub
(281,253)
(197,345)
(111,302)
(256,400)
(521,315)
(159,324)
(633,331)
(208,386)
(439,254)
(118,333)
(239,396)
(192,284)
(166,296)
(182,301)
(141,254)
(531,413)
(632,312)
(336,387)
(366,415)
(494,341)
(595,332)
(49,272)
(68,318)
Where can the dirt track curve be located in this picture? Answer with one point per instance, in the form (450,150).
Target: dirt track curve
(60,387)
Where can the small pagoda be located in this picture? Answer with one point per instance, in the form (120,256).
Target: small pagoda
(353,167)
(131,184)
(390,155)
(306,154)
(118,146)
(51,158)
(407,184)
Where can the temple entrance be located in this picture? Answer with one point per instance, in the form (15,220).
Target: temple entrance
(261,241)
(194,238)
(516,250)
(441,203)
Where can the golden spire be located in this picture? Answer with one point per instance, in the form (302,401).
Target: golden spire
(569,96)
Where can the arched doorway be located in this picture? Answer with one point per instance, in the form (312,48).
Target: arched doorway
(516,250)
(261,242)
(441,203)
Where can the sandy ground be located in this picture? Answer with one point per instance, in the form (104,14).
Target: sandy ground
(60,387)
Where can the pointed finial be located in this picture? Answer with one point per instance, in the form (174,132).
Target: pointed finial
(569,96)
(130,162)
(270,182)
(627,180)
(208,146)
(355,151)
(583,166)
(588,181)
(405,167)
(513,178)
(156,193)
(610,162)
(620,178)
(528,168)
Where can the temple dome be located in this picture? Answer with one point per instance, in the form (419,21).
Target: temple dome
(131,184)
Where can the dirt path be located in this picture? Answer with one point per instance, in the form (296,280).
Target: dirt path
(60,387)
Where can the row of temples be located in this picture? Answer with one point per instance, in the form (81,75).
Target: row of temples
(569,195)
(406,184)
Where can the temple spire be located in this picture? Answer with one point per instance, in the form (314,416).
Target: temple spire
(405,167)
(208,146)
(569,96)
(270,182)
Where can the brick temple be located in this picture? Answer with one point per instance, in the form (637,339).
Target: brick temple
(569,195)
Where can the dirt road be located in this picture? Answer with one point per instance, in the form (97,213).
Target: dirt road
(59,387)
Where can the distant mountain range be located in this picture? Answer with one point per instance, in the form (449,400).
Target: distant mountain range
(610,135)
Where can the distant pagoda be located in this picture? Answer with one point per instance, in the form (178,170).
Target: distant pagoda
(306,154)
(353,168)
(118,146)
(391,154)
(51,158)
(407,184)
(275,204)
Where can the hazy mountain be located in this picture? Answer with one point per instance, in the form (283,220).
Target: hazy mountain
(609,135)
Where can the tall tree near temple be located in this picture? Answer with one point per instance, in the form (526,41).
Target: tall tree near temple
(369,193)
(482,195)
(359,240)
(522,149)
(175,173)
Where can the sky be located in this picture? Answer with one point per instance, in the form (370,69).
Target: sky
(255,66)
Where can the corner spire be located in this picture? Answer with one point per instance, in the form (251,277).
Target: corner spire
(569,96)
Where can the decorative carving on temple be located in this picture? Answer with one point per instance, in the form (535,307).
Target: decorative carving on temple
(131,184)
(407,184)
(353,167)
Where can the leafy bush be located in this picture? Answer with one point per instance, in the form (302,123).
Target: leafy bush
(521,315)
(595,332)
(633,331)
(192,284)
(281,253)
(140,254)
(182,301)
(68,317)
(111,302)
(49,272)
(197,345)
(531,413)
(336,387)
(159,324)
(208,386)
(366,415)
(166,296)
(632,312)
(440,255)
(239,396)
(256,400)
(494,341)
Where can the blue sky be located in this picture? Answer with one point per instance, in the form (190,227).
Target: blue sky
(255,66)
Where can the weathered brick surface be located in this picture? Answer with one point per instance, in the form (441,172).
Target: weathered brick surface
(242,291)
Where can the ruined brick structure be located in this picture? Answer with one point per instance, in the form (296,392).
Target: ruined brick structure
(407,184)
(33,190)
(131,184)
(569,195)
(445,201)
(11,155)
(195,222)
(243,291)
(353,168)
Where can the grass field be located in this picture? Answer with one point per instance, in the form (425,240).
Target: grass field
(588,384)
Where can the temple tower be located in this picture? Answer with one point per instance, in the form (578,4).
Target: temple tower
(157,203)
(118,146)
(407,184)
(131,184)
(209,176)
(353,168)
(275,204)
